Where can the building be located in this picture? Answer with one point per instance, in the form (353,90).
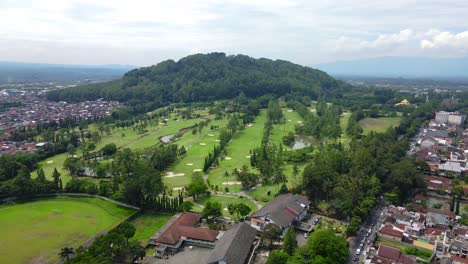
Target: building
(391,255)
(180,230)
(439,218)
(451,118)
(390,233)
(283,211)
(235,246)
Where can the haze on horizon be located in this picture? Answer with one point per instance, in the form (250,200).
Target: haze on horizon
(305,32)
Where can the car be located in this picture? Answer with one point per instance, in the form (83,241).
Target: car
(355,259)
(361,245)
(358,251)
(305,235)
(316,220)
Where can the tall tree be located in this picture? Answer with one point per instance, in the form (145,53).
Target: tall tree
(289,241)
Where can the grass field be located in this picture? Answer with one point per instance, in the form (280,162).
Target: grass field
(225,201)
(292,118)
(238,152)
(343,124)
(198,147)
(147,225)
(34,232)
(378,124)
(131,140)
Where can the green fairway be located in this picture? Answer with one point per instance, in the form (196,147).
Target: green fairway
(378,124)
(238,153)
(344,124)
(291,118)
(198,146)
(131,140)
(147,225)
(34,232)
(224,201)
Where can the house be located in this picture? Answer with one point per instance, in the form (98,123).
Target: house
(180,230)
(235,246)
(283,211)
(391,255)
(459,248)
(390,233)
(435,183)
(439,218)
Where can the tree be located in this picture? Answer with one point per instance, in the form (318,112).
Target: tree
(65,253)
(271,232)
(109,149)
(71,149)
(212,210)
(323,247)
(56,177)
(196,188)
(240,209)
(289,241)
(353,226)
(41,175)
(277,257)
(186,206)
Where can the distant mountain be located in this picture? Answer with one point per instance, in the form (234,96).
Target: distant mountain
(13,72)
(204,77)
(407,67)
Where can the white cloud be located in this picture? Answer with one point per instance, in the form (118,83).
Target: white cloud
(441,40)
(299,30)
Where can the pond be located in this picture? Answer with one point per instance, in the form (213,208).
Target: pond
(167,138)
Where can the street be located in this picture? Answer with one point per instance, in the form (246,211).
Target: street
(361,237)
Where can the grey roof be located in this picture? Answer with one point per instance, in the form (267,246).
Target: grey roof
(234,246)
(284,208)
(437,133)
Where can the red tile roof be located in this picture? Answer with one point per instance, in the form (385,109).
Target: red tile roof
(183,226)
(389,252)
(459,260)
(432,231)
(388,230)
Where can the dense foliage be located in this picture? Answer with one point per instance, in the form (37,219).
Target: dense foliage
(203,77)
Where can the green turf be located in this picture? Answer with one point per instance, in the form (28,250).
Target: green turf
(147,225)
(292,118)
(34,232)
(237,151)
(198,147)
(378,124)
(225,201)
(344,124)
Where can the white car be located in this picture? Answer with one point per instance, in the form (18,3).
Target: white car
(358,251)
(305,235)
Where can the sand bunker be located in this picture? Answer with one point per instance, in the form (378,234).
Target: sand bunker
(290,110)
(299,122)
(232,183)
(50,162)
(225,209)
(177,188)
(289,120)
(247,157)
(197,170)
(249,125)
(228,158)
(171,174)
(210,135)
(189,164)
(313,110)
(202,144)
(217,140)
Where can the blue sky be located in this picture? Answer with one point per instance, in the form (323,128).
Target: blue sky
(306,32)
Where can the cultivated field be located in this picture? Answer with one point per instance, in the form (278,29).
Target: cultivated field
(34,232)
(378,124)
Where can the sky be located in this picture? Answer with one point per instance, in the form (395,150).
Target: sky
(145,32)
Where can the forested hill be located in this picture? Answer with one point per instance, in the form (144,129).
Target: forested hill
(204,77)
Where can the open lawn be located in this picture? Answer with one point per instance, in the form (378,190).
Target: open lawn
(343,124)
(378,124)
(34,232)
(292,118)
(238,153)
(225,201)
(147,225)
(131,140)
(198,147)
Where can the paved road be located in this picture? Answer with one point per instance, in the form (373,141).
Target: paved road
(371,222)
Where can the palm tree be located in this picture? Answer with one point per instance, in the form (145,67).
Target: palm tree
(66,252)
